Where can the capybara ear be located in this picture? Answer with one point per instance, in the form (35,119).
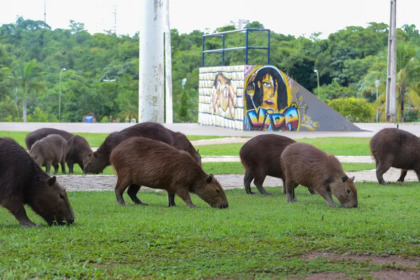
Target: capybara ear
(198,150)
(51,181)
(209,179)
(352,178)
(345,178)
(95,154)
(89,155)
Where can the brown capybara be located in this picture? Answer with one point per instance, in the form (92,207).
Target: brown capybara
(141,161)
(392,147)
(306,165)
(50,151)
(260,157)
(22,181)
(38,134)
(100,159)
(78,152)
(181,142)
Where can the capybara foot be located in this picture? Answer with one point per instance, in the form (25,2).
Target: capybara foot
(266,193)
(28,224)
(142,203)
(250,192)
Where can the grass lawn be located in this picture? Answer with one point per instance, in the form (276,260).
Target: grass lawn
(257,237)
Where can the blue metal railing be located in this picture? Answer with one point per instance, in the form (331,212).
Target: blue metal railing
(246,47)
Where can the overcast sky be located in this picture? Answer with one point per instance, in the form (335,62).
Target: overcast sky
(294,17)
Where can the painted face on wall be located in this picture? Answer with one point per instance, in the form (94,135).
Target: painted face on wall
(269,88)
(223,91)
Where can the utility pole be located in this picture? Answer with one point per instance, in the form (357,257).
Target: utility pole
(168,57)
(391,100)
(151,62)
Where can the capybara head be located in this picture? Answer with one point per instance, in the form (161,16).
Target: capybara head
(52,204)
(96,163)
(345,191)
(212,193)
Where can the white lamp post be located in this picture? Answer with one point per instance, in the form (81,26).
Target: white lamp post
(59,102)
(377,86)
(317,75)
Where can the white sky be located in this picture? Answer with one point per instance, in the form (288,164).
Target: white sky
(294,17)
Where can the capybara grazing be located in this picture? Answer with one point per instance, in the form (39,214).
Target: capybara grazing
(78,152)
(100,159)
(22,181)
(38,134)
(260,157)
(141,161)
(308,166)
(50,150)
(181,142)
(392,147)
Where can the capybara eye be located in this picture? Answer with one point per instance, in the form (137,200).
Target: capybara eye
(89,155)
(61,196)
(217,191)
(348,191)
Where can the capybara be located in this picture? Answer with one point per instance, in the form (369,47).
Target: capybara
(22,181)
(50,150)
(181,142)
(308,166)
(78,152)
(260,157)
(38,134)
(392,147)
(141,161)
(100,159)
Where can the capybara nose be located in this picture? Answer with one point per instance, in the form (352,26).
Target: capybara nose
(355,205)
(224,206)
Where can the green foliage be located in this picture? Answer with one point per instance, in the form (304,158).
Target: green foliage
(355,110)
(104,119)
(334,91)
(39,116)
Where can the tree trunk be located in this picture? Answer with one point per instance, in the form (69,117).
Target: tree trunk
(24,110)
(402,90)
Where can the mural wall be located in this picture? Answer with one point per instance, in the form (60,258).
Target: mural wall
(249,97)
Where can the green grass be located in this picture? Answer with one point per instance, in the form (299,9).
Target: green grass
(257,237)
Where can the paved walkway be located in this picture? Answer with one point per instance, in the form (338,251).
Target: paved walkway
(356,159)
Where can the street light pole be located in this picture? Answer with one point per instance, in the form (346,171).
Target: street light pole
(377,86)
(59,102)
(317,75)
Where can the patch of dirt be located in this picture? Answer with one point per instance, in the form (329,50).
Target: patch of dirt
(322,276)
(395,274)
(392,260)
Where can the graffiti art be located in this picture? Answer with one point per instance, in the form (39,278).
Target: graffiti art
(223,95)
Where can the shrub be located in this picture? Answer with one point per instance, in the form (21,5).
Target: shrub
(105,119)
(355,110)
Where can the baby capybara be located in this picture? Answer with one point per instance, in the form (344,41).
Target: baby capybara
(22,181)
(392,147)
(141,161)
(181,142)
(260,157)
(306,165)
(38,134)
(100,159)
(50,151)
(78,152)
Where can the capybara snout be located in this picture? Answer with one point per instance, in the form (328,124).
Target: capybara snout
(213,193)
(345,191)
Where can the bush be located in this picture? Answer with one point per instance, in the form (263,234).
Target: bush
(353,109)
(105,119)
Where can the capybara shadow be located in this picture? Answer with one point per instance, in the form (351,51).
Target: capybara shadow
(50,151)
(307,165)
(260,157)
(140,161)
(22,182)
(392,147)
(38,134)
(78,152)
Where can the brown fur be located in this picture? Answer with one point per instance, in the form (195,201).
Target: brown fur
(260,158)
(38,134)
(181,142)
(140,161)
(78,152)
(50,151)
(23,182)
(392,147)
(100,159)
(308,166)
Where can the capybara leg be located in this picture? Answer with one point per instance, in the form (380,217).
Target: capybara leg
(55,169)
(171,199)
(132,193)
(185,196)
(402,176)
(284,186)
(249,176)
(290,191)
(48,167)
(418,174)
(327,196)
(63,167)
(70,165)
(16,208)
(311,191)
(119,190)
(258,182)
(381,169)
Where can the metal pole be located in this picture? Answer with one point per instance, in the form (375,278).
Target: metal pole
(317,77)
(168,56)
(59,97)
(391,112)
(151,62)
(246,47)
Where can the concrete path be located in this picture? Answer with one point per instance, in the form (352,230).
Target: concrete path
(107,182)
(356,159)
